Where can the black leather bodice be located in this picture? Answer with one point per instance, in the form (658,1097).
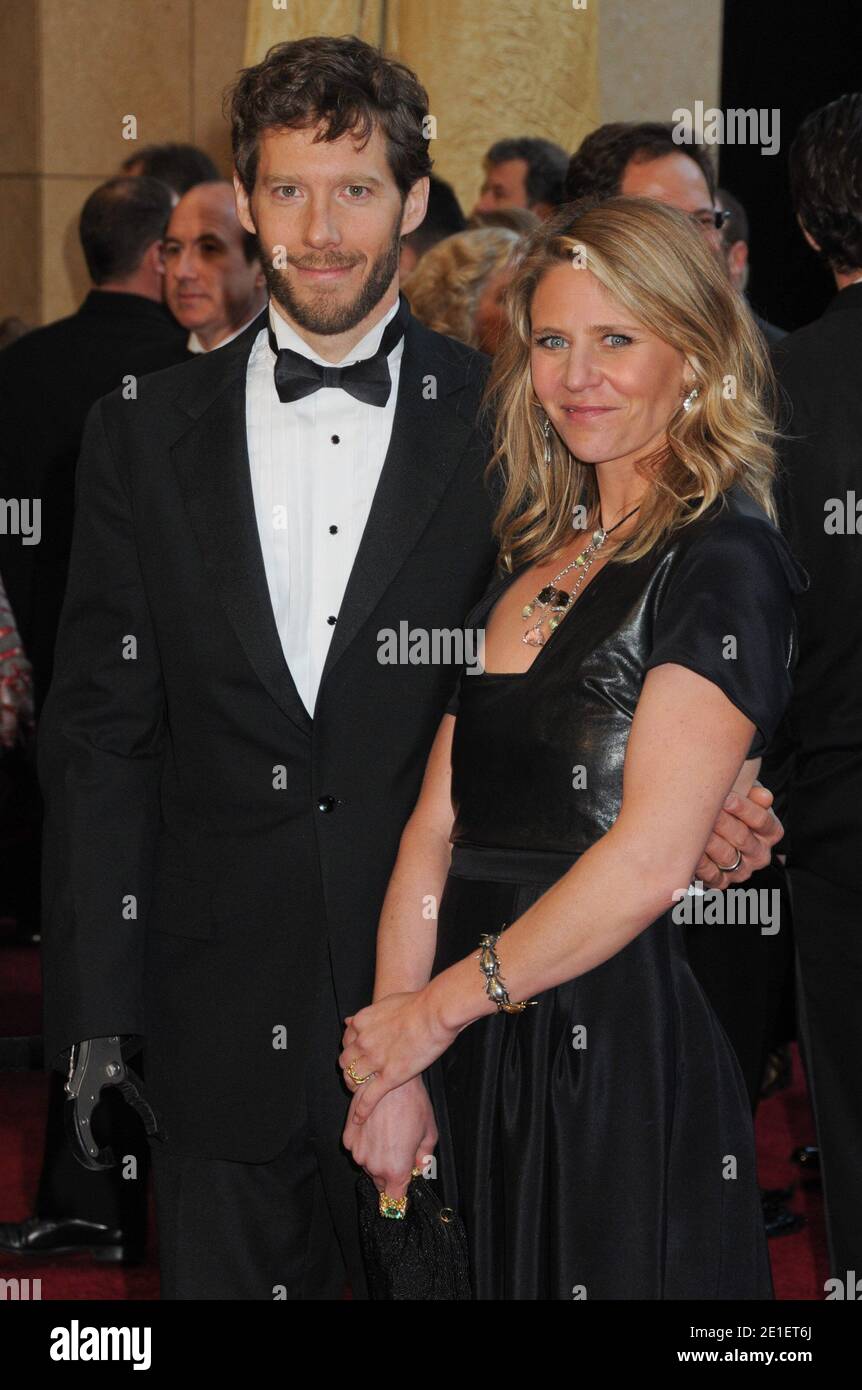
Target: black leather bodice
(537,758)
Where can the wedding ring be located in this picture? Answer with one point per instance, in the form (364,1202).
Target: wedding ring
(732,868)
(360,1080)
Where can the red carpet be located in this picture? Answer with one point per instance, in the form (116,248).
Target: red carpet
(22,1132)
(799,1262)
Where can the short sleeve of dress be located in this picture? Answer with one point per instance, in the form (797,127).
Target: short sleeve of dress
(727,613)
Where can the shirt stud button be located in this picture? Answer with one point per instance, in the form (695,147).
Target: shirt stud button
(333,530)
(331,620)
(336,439)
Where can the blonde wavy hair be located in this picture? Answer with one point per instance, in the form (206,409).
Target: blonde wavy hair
(445,287)
(653,261)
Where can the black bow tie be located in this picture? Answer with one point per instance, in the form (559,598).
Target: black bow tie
(369,380)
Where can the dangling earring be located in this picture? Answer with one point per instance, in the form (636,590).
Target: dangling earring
(546,443)
(690,399)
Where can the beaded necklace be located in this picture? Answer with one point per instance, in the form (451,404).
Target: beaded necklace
(557,602)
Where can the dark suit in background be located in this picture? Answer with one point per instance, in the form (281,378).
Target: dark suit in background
(771,332)
(748,975)
(820,369)
(49,379)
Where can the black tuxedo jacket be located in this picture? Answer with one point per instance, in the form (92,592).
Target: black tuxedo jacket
(820,371)
(48,381)
(208,846)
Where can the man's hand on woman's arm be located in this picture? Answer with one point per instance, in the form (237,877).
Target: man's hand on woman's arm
(746,823)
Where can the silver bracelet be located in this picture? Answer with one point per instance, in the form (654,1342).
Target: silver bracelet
(495,989)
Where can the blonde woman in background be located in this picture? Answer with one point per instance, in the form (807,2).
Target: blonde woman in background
(446,288)
(594,1128)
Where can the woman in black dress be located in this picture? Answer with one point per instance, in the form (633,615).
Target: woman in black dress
(598,1142)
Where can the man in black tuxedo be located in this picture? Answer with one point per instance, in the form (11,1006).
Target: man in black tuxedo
(227,753)
(221,823)
(820,370)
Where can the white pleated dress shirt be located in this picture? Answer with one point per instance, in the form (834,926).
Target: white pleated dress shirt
(315,464)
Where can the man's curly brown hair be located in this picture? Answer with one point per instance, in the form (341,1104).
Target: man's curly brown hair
(342,84)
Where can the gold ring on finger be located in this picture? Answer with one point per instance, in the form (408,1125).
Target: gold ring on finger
(359,1080)
(395,1208)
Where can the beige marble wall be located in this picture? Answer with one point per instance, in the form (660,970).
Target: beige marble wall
(72,71)
(656,55)
(526,67)
(19,157)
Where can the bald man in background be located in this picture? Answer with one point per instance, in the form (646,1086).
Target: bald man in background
(214,284)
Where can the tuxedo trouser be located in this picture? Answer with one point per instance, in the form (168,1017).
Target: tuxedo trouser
(828,922)
(67,1190)
(743,973)
(283,1229)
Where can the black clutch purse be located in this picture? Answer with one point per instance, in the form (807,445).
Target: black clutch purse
(421,1256)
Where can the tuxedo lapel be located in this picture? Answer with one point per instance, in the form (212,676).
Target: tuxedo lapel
(428,438)
(211,461)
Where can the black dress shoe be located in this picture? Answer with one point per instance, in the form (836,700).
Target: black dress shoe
(807,1157)
(778,1219)
(71,1236)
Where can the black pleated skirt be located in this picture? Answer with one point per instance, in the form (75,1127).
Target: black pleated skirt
(599,1145)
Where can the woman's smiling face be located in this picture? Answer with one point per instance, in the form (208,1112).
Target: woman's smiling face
(608,385)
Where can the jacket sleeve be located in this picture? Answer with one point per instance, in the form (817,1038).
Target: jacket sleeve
(100,746)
